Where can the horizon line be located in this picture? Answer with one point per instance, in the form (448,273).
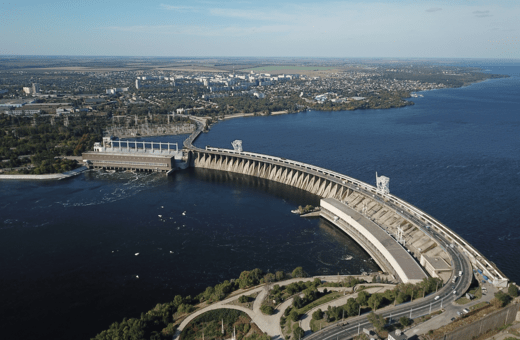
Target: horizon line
(251,57)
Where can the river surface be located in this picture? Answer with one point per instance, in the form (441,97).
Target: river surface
(68,248)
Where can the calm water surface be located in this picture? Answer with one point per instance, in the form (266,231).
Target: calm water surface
(67,249)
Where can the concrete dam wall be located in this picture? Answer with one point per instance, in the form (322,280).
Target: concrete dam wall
(388,211)
(304,179)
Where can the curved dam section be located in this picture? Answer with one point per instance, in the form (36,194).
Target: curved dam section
(379,244)
(388,212)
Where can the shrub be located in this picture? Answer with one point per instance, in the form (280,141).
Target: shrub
(317,315)
(298,272)
(298,333)
(404,321)
(266,309)
(294,315)
(512,290)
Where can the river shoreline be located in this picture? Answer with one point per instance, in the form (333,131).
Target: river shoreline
(58,177)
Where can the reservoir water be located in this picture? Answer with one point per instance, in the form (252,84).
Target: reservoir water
(67,248)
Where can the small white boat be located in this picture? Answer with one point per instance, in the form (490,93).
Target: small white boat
(184,213)
(171,252)
(136,254)
(137,276)
(160,216)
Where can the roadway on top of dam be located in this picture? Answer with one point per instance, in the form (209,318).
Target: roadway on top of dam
(424,221)
(427,224)
(460,251)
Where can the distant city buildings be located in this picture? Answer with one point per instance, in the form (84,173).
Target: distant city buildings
(117,90)
(34,89)
(22,112)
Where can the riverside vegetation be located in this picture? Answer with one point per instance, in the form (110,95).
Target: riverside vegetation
(162,321)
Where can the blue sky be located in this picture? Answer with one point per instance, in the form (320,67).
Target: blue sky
(388,29)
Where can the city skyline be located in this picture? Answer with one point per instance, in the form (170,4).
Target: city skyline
(372,29)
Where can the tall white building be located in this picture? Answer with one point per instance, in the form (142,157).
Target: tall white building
(35,88)
(137,83)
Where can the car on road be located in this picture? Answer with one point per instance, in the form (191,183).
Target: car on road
(437,297)
(459,313)
(465,311)
(454,292)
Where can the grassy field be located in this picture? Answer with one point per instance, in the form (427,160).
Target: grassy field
(322,300)
(288,69)
(477,292)
(479,305)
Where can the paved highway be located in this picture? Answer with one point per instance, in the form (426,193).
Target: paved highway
(423,306)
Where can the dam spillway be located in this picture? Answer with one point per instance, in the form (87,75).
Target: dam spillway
(388,211)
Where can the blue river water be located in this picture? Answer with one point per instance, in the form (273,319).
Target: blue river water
(67,248)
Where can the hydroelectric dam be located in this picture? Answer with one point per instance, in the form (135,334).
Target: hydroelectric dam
(403,240)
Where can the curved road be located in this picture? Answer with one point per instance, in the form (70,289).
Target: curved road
(414,309)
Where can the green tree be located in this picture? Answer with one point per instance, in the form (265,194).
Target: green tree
(317,315)
(375,301)
(362,298)
(298,272)
(267,310)
(250,278)
(512,290)
(404,321)
(269,277)
(389,295)
(298,333)
(502,298)
(377,321)
(401,297)
(297,302)
(352,307)
(243,299)
(294,315)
